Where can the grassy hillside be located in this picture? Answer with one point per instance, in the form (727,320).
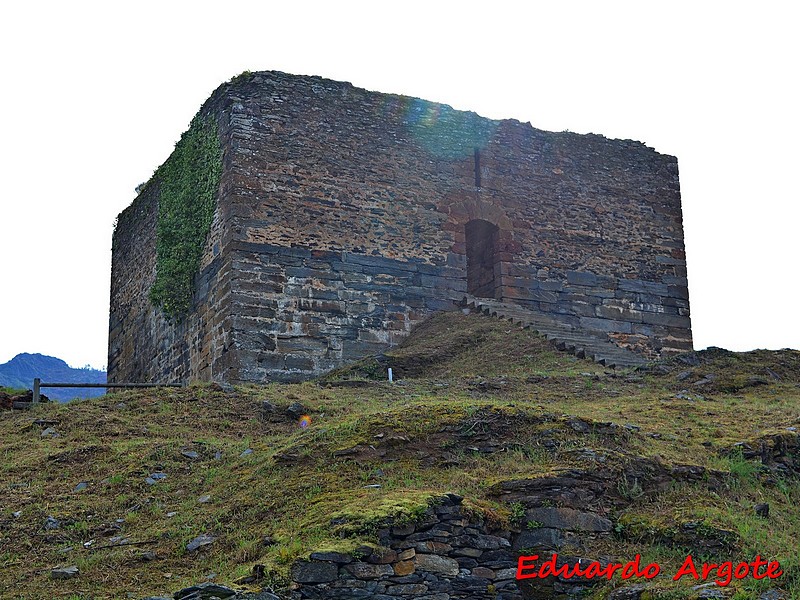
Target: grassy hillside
(692,444)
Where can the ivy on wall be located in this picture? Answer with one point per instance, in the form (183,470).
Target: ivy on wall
(188,183)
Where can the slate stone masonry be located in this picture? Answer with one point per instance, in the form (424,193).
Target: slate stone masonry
(300,311)
(446,555)
(452,552)
(345,216)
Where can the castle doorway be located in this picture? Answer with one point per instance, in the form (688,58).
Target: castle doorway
(481,241)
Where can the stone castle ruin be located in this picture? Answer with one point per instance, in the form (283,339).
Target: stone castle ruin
(302,223)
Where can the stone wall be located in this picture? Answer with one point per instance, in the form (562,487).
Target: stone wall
(451,552)
(299,311)
(346,216)
(446,555)
(144,344)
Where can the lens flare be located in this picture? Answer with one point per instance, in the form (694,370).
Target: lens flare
(304,421)
(446,133)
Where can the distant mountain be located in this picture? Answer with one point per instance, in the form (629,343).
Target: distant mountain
(20,371)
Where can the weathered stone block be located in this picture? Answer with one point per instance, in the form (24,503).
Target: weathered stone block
(643,287)
(298,362)
(618,313)
(581,278)
(314,572)
(569,519)
(382,556)
(415,590)
(333,306)
(607,325)
(434,563)
(546,538)
(363,570)
(666,320)
(404,567)
(336,557)
(678,291)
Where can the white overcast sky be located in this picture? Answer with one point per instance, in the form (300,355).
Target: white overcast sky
(95,94)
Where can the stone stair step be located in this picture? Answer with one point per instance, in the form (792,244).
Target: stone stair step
(527,318)
(564,337)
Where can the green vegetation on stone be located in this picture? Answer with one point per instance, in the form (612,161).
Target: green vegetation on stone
(188,183)
(12,391)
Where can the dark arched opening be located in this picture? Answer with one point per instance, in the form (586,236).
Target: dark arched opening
(481,241)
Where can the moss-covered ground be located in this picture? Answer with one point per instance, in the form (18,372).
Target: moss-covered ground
(479,402)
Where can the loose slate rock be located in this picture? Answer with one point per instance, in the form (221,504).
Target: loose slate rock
(773,595)
(631,592)
(295,411)
(205,591)
(190,454)
(710,594)
(64,573)
(50,433)
(199,542)
(155,478)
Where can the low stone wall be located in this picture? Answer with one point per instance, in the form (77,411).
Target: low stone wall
(452,553)
(448,554)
